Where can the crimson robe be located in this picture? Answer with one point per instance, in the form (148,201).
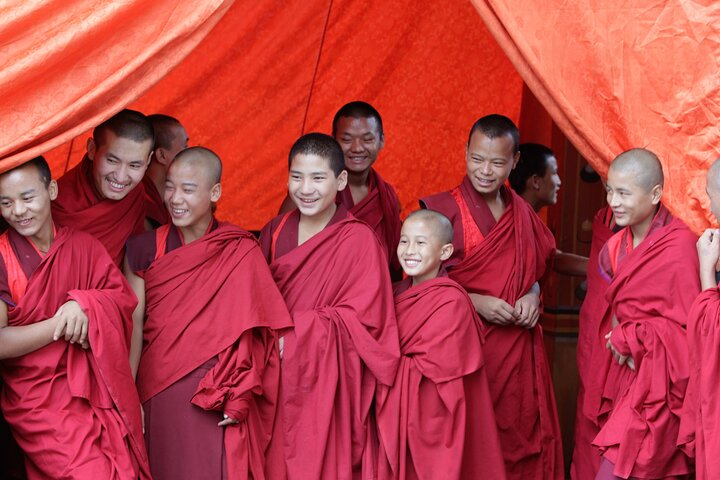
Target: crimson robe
(74,412)
(700,421)
(504,259)
(381,210)
(586,458)
(652,288)
(437,419)
(155,209)
(80,206)
(215,299)
(337,288)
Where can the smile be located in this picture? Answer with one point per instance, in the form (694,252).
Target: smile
(117,186)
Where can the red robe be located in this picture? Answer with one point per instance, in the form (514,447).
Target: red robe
(80,206)
(700,422)
(652,288)
(155,209)
(504,259)
(437,419)
(586,458)
(211,298)
(345,341)
(381,210)
(74,412)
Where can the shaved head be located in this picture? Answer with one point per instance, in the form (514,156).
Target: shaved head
(202,158)
(713,175)
(644,166)
(440,224)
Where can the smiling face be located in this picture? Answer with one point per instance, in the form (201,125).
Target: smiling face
(313,186)
(119,164)
(632,204)
(25,202)
(549,184)
(190,194)
(421,251)
(489,161)
(360,141)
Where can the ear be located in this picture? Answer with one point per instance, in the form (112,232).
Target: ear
(342,180)
(446,251)
(215,192)
(516,159)
(53,190)
(161,156)
(382,142)
(533,183)
(91,148)
(656,194)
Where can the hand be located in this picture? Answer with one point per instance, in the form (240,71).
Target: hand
(494,310)
(621,359)
(73,321)
(708,248)
(227,420)
(528,308)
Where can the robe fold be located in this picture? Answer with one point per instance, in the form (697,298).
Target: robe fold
(586,457)
(381,210)
(155,209)
(503,259)
(80,206)
(437,420)
(337,288)
(650,293)
(700,421)
(213,303)
(74,412)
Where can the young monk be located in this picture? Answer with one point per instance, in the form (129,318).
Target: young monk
(210,356)
(437,419)
(358,128)
(653,272)
(700,423)
(501,249)
(102,195)
(170,139)
(332,272)
(68,395)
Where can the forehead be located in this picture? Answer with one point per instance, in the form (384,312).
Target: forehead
(356,126)
(187,172)
(20,180)
(306,163)
(497,147)
(419,226)
(623,178)
(124,148)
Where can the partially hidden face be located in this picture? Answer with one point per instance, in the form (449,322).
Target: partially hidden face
(312,185)
(119,164)
(179,142)
(360,141)
(631,203)
(489,161)
(189,194)
(713,193)
(550,182)
(25,201)
(420,250)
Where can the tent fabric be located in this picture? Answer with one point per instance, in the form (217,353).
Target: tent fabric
(272,70)
(618,75)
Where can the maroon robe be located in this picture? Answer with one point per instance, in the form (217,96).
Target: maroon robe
(437,419)
(155,210)
(74,412)
(381,210)
(80,206)
(652,288)
(338,291)
(504,259)
(209,346)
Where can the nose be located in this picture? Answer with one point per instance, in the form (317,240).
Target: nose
(613,200)
(356,145)
(122,173)
(410,249)
(174,198)
(19,208)
(306,187)
(485,168)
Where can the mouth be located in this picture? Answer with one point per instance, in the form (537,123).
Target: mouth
(117,187)
(411,262)
(179,212)
(484,182)
(25,222)
(307,202)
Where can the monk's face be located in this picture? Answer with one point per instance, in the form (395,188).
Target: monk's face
(360,141)
(713,193)
(420,250)
(189,194)
(312,184)
(489,161)
(179,143)
(631,203)
(25,201)
(119,164)
(549,184)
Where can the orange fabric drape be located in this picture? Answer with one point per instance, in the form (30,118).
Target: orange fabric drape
(613,77)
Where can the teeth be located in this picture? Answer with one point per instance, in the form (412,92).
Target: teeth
(119,186)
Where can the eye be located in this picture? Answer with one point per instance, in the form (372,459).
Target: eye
(498,164)
(403,242)
(5,203)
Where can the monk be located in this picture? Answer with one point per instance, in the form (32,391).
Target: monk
(332,272)
(103,195)
(170,139)
(358,128)
(68,395)
(437,419)
(652,267)
(501,250)
(700,424)
(209,371)
(591,342)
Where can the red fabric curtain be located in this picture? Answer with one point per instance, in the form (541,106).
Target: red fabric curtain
(617,75)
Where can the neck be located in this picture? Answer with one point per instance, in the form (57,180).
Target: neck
(536,204)
(418,279)
(43,239)
(493,198)
(157,174)
(317,222)
(359,179)
(195,231)
(640,230)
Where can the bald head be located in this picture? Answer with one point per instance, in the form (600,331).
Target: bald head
(440,225)
(202,159)
(713,175)
(643,165)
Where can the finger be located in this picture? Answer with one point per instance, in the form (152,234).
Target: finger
(85,345)
(59,328)
(630,363)
(70,329)
(78,332)
(83,332)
